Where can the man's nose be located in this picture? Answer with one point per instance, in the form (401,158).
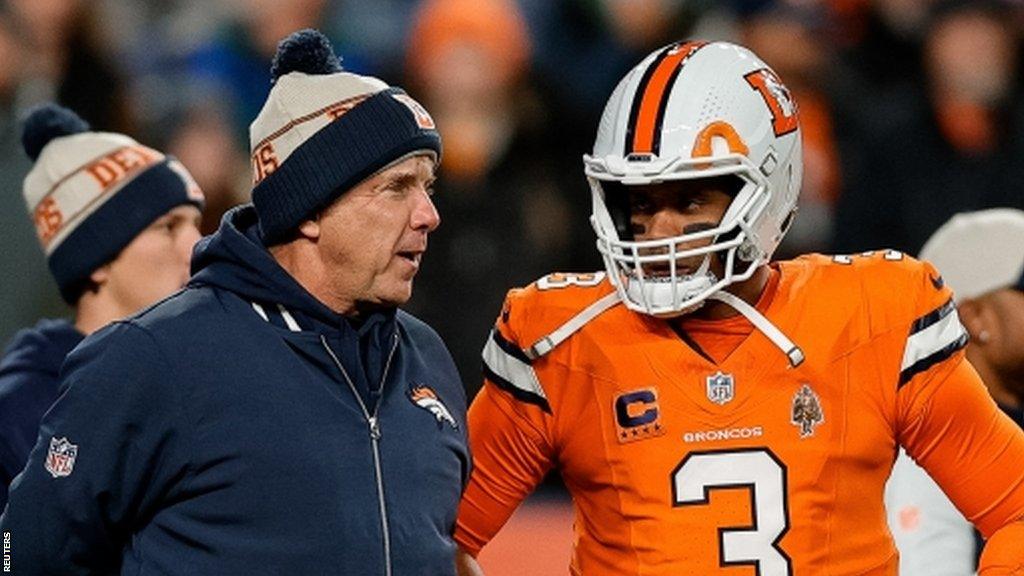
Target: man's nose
(664,223)
(424,214)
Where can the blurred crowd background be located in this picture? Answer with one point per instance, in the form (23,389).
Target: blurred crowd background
(911,111)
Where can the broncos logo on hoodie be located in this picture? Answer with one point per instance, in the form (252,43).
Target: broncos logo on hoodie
(426,398)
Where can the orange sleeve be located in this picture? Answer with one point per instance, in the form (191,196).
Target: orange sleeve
(1002,555)
(510,457)
(512,422)
(973,451)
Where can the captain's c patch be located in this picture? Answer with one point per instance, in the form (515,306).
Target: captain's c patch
(637,415)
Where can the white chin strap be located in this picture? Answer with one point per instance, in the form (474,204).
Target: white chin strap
(792,351)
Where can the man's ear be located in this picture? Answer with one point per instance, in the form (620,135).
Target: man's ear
(310,229)
(973,317)
(100,275)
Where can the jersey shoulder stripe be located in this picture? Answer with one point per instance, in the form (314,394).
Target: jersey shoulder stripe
(510,369)
(933,338)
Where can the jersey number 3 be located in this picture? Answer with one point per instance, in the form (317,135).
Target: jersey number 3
(764,475)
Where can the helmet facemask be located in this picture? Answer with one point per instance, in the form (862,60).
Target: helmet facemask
(660,277)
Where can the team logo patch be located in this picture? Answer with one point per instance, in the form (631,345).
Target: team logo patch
(423,119)
(426,398)
(807,413)
(721,388)
(60,459)
(637,415)
(48,219)
(780,102)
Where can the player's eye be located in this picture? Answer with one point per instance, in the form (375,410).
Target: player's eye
(641,204)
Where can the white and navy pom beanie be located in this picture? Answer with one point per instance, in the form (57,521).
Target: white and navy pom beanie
(91,193)
(322,131)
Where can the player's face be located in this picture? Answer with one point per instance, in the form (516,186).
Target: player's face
(373,237)
(678,207)
(1009,355)
(156,263)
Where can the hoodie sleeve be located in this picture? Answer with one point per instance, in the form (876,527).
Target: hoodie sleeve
(109,453)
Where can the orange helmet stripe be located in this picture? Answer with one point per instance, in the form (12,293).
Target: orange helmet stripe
(651,100)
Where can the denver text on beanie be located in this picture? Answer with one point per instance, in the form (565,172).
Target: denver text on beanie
(91,193)
(322,131)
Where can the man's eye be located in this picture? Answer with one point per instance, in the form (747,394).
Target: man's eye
(641,205)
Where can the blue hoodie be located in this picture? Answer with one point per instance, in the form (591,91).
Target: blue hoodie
(29,374)
(242,427)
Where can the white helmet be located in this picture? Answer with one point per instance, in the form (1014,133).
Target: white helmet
(696,110)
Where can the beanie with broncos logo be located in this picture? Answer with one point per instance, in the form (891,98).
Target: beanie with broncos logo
(322,131)
(91,193)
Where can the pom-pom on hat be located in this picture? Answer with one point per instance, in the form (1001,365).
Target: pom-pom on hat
(91,193)
(322,131)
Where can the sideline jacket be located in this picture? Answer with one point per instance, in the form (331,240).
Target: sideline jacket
(700,458)
(241,427)
(29,375)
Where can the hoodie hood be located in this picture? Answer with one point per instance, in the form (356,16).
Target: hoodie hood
(41,348)
(234,258)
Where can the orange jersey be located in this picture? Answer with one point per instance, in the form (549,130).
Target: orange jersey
(678,464)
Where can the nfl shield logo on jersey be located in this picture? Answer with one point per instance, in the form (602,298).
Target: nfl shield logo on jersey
(60,460)
(720,388)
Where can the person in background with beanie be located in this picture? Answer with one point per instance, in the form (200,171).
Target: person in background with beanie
(981,257)
(280,415)
(117,221)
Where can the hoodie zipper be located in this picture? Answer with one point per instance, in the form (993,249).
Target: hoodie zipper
(374,425)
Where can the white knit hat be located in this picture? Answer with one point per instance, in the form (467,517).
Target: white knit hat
(979,252)
(91,193)
(322,131)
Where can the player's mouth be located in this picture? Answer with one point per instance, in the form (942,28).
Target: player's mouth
(412,256)
(664,269)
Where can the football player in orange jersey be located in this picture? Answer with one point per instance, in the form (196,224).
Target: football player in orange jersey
(709,411)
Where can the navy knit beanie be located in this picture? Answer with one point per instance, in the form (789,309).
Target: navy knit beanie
(91,193)
(322,131)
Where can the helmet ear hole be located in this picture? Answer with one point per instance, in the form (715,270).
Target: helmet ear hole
(787,222)
(731,184)
(616,199)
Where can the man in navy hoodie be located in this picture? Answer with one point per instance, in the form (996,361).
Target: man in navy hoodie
(280,415)
(117,221)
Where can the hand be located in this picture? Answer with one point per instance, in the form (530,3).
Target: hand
(466,565)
